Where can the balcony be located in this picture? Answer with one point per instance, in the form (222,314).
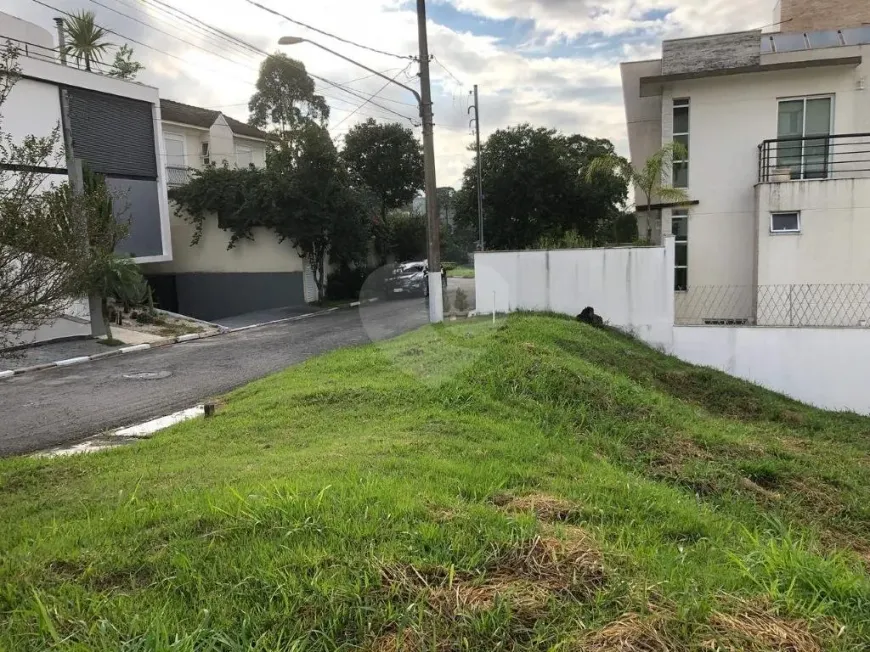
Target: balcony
(841,156)
(177,176)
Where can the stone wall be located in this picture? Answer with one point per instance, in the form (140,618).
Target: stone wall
(812,15)
(712,52)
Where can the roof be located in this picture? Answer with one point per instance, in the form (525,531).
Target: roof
(198,117)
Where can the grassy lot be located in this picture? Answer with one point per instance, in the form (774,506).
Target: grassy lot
(538,485)
(461,272)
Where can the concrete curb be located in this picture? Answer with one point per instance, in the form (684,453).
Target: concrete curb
(179,339)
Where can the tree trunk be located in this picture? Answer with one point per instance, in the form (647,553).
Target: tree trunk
(87,62)
(104,308)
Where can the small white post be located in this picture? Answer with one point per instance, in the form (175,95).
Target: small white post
(493,307)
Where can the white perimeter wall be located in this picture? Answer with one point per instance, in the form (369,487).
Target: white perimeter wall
(826,367)
(630,287)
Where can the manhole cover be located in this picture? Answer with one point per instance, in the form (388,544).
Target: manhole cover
(148,375)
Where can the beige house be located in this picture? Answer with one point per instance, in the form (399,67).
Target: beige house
(207,280)
(777,126)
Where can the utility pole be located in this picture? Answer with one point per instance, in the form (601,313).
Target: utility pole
(436,302)
(77,183)
(476,121)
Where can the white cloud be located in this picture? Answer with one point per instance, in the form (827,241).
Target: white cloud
(544,81)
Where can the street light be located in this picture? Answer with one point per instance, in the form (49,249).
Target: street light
(436,302)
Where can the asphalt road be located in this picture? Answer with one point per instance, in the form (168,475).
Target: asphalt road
(68,404)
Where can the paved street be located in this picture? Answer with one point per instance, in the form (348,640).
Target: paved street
(66,404)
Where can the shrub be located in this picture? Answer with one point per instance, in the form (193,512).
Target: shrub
(345,283)
(461,301)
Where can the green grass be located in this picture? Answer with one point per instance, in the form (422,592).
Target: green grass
(461,272)
(537,485)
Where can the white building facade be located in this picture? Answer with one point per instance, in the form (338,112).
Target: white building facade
(115,129)
(206,280)
(777,128)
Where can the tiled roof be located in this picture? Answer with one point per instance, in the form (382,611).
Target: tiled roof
(199,117)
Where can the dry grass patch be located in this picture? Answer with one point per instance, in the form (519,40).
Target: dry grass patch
(549,509)
(526,578)
(633,633)
(753,629)
(758,630)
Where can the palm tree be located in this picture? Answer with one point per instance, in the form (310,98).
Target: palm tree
(652,179)
(84,38)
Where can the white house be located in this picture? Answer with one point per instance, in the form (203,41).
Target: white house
(115,129)
(206,280)
(777,127)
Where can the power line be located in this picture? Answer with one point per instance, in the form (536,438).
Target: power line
(438,61)
(168,54)
(371,97)
(320,31)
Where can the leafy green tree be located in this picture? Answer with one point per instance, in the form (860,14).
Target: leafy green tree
(303,195)
(321,213)
(124,67)
(85,40)
(388,160)
(407,236)
(534,186)
(653,180)
(285,98)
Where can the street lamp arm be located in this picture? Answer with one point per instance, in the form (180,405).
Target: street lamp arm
(291,40)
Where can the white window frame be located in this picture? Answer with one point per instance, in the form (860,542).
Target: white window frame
(681,214)
(804,98)
(245,149)
(679,103)
(785,231)
(169,135)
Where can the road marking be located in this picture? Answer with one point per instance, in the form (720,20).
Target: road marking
(70,361)
(137,347)
(150,427)
(126,435)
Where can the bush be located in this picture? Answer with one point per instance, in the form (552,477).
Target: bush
(345,283)
(461,301)
(447,265)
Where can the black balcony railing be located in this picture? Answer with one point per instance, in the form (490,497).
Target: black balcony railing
(841,156)
(177,176)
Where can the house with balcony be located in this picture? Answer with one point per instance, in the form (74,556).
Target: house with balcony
(777,129)
(206,280)
(115,129)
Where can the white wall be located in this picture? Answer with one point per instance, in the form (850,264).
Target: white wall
(826,367)
(833,244)
(630,287)
(74,322)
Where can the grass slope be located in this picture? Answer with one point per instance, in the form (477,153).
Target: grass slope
(539,485)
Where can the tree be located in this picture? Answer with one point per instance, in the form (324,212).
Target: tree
(388,160)
(533,187)
(652,180)
(304,196)
(285,99)
(39,272)
(321,214)
(124,67)
(85,40)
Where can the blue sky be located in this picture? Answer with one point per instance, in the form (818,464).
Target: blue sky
(553,63)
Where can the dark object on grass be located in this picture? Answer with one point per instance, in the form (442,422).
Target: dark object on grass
(588,316)
(209,409)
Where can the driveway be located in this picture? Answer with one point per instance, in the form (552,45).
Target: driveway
(67,404)
(467,286)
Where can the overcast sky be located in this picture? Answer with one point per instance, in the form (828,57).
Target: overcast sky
(552,63)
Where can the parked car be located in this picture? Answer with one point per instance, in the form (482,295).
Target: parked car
(408,280)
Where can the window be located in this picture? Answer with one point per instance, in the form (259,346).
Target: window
(681,135)
(244,156)
(680,231)
(204,152)
(798,120)
(173,145)
(785,222)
